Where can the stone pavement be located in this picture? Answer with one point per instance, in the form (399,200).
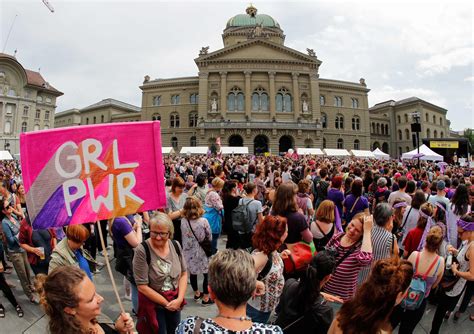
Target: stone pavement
(35,322)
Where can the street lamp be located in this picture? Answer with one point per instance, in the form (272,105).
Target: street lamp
(416,129)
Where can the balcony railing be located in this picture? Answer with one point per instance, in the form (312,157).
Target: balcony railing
(260,125)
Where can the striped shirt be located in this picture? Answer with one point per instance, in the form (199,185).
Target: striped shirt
(382,240)
(343,281)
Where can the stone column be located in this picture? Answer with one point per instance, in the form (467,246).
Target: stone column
(248,94)
(315,107)
(203,106)
(223,103)
(271,95)
(296,95)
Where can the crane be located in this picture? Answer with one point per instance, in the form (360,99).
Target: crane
(47,4)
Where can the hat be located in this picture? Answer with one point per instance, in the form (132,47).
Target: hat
(397,175)
(440,185)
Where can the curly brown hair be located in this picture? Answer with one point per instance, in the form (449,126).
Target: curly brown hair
(268,233)
(374,301)
(192,208)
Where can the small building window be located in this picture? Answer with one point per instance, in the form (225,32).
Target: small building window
(235,100)
(339,123)
(87,120)
(435,134)
(102,118)
(322,100)
(26,109)
(426,117)
(340,143)
(400,135)
(283,100)
(399,119)
(38,114)
(355,123)
(39,98)
(441,121)
(175,99)
(95,119)
(8,127)
(193,119)
(24,127)
(407,134)
(174,142)
(46,115)
(48,100)
(324,142)
(324,120)
(193,99)
(428,133)
(434,119)
(355,103)
(156,100)
(174,120)
(337,101)
(406,118)
(356,144)
(441,135)
(11,92)
(156,117)
(193,141)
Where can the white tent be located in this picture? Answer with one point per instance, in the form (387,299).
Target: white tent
(309,151)
(193,150)
(5,155)
(332,152)
(379,154)
(167,150)
(426,152)
(363,154)
(234,150)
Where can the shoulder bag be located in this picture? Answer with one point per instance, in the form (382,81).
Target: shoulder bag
(205,244)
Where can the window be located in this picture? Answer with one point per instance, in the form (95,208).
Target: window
(10,109)
(340,143)
(11,92)
(8,127)
(174,142)
(435,134)
(46,115)
(373,127)
(39,98)
(235,100)
(355,103)
(259,100)
(441,135)
(283,101)
(24,127)
(406,118)
(407,149)
(95,120)
(441,121)
(26,109)
(156,100)
(399,151)
(38,114)
(324,142)
(434,119)
(193,99)
(355,123)
(324,120)
(87,120)
(426,117)
(399,119)
(337,101)
(36,127)
(356,144)
(400,135)
(48,100)
(428,133)
(175,99)
(193,119)
(386,129)
(192,141)
(322,100)
(174,120)
(339,124)
(407,134)
(156,117)
(378,128)
(102,118)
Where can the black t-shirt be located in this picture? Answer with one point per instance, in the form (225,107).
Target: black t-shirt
(230,203)
(296,224)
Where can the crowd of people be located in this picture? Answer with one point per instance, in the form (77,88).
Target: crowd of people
(280,245)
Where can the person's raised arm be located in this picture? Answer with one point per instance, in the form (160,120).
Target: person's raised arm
(367,237)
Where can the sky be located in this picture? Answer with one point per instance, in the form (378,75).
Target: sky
(93,50)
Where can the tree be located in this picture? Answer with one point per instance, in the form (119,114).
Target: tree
(469,135)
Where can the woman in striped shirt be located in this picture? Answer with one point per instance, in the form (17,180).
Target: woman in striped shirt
(353,250)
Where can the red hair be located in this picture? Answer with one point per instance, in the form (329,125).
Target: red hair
(336,182)
(267,236)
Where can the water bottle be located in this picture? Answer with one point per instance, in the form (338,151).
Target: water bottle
(449,260)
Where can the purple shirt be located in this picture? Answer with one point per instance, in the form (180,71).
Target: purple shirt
(120,228)
(360,206)
(337,197)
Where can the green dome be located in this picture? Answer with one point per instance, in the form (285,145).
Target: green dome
(252,19)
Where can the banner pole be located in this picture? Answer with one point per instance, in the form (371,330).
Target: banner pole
(109,269)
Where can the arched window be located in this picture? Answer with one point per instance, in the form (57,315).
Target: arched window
(193,141)
(407,134)
(24,127)
(175,99)
(356,144)
(400,135)
(174,142)
(386,129)
(337,101)
(434,119)
(428,133)
(355,103)
(193,99)
(406,118)
(8,127)
(355,123)
(259,100)
(235,100)
(174,120)
(283,101)
(435,134)
(441,135)
(87,120)
(255,102)
(95,119)
(102,118)
(399,151)
(324,120)
(339,124)
(441,121)
(46,115)
(156,100)
(399,119)
(340,143)
(26,109)
(322,100)
(156,117)
(378,128)
(373,127)
(324,142)
(426,117)
(193,119)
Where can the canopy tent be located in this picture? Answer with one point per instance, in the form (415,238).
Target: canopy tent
(363,154)
(379,154)
(167,150)
(194,150)
(234,150)
(425,154)
(309,151)
(5,155)
(332,152)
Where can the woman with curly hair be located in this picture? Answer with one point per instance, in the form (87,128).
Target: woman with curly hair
(370,309)
(267,239)
(72,304)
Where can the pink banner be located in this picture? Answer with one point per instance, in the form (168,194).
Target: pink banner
(83,174)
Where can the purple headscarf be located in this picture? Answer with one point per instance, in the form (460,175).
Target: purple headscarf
(440,206)
(337,219)
(466,226)
(429,222)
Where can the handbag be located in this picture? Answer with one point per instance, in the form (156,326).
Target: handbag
(300,257)
(449,279)
(205,244)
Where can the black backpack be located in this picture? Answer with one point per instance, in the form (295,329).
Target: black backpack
(241,217)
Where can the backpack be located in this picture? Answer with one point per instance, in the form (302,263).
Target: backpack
(417,289)
(241,217)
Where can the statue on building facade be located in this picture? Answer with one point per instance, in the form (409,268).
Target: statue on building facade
(204,50)
(214,105)
(305,106)
(311,52)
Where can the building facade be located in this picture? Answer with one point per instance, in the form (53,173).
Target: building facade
(256,92)
(390,124)
(27,102)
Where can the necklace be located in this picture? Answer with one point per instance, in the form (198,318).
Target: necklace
(242,318)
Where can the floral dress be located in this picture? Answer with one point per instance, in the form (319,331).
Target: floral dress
(194,255)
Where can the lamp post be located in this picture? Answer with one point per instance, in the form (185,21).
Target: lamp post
(416,128)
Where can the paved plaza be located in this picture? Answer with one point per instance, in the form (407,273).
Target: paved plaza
(35,322)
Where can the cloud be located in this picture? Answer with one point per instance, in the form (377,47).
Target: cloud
(387,92)
(441,63)
(471,78)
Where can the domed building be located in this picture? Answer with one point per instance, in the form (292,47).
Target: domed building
(257,92)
